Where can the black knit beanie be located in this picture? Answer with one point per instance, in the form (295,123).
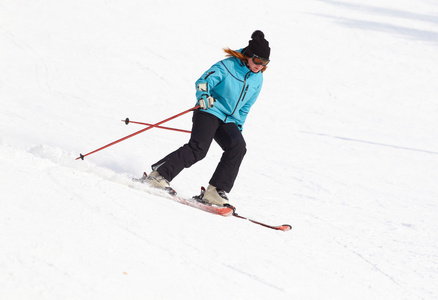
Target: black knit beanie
(258,46)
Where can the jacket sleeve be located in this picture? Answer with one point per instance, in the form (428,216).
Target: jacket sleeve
(208,81)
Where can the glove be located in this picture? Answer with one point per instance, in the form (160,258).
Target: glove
(206,103)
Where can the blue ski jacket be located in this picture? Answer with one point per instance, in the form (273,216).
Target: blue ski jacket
(234,87)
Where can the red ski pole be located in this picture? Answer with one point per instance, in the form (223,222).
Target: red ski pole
(127,121)
(82,156)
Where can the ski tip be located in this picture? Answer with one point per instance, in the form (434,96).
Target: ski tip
(285,227)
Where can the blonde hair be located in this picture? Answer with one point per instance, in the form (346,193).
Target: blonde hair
(241,56)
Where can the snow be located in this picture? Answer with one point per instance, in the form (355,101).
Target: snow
(342,144)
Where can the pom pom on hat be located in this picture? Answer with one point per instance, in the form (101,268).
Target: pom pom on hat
(257,35)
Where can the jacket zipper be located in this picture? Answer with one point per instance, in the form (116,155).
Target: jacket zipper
(242,94)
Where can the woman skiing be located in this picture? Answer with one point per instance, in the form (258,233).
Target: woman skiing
(225,94)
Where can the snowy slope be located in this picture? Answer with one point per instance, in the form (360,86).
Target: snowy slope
(342,144)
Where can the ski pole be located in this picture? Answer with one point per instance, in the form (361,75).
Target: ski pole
(82,156)
(127,121)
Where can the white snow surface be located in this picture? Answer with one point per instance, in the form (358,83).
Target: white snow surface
(342,144)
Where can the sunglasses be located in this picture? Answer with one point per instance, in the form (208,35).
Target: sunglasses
(260,60)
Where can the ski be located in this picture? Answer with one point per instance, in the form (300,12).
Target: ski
(195,201)
(226,210)
(284,227)
(214,209)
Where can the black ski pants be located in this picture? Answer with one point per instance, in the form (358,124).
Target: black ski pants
(207,127)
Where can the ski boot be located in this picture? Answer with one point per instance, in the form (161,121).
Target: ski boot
(215,196)
(157,181)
